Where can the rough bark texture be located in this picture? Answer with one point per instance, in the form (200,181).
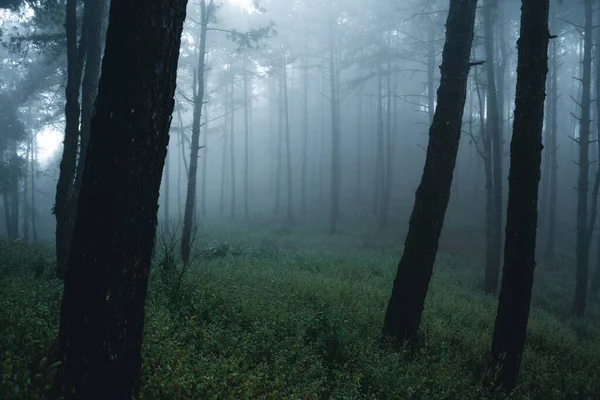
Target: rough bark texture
(102,313)
(583,231)
(405,306)
(64,186)
(524,176)
(190,198)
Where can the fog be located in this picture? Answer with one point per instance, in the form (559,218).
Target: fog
(305,125)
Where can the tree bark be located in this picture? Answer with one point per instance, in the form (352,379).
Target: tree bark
(102,313)
(246,140)
(68,163)
(288,151)
(405,306)
(334,207)
(494,132)
(526,153)
(583,230)
(190,198)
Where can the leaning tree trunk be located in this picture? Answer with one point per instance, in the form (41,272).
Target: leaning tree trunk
(66,177)
(526,153)
(494,132)
(583,230)
(405,306)
(190,198)
(102,313)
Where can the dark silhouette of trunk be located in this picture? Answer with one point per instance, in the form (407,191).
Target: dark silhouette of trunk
(494,132)
(15,202)
(584,229)
(526,153)
(102,313)
(204,165)
(166,191)
(198,93)
(93,21)
(33,159)
(595,285)
(26,210)
(246,141)
(68,163)
(553,99)
(405,306)
(288,151)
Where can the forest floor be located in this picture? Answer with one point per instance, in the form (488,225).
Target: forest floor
(280,313)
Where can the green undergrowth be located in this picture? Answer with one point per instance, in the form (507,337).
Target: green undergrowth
(288,314)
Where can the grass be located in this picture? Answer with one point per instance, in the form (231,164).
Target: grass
(294,314)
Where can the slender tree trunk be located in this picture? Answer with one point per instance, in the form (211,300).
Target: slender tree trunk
(26,210)
(246,141)
(595,285)
(232,146)
(190,198)
(583,230)
(288,151)
(494,131)
(204,165)
(166,191)
(359,124)
(387,178)
(380,159)
(526,152)
(102,313)
(405,306)
(305,130)
(278,177)
(33,211)
(334,209)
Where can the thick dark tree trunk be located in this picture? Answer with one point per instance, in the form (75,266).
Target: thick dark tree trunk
(583,229)
(68,163)
(190,198)
(94,17)
(102,313)
(524,176)
(405,306)
(494,133)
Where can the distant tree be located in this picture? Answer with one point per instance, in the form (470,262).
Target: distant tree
(525,158)
(405,306)
(102,313)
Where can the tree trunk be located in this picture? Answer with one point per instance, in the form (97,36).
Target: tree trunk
(405,306)
(33,159)
(204,165)
(26,210)
(231,146)
(246,141)
(494,131)
(305,130)
(93,18)
(102,313)
(278,177)
(359,124)
(334,208)
(190,198)
(288,151)
(387,177)
(526,152)
(64,186)
(380,159)
(551,237)
(583,231)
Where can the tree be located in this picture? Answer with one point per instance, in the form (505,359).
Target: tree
(89,46)
(585,228)
(524,175)
(405,306)
(102,313)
